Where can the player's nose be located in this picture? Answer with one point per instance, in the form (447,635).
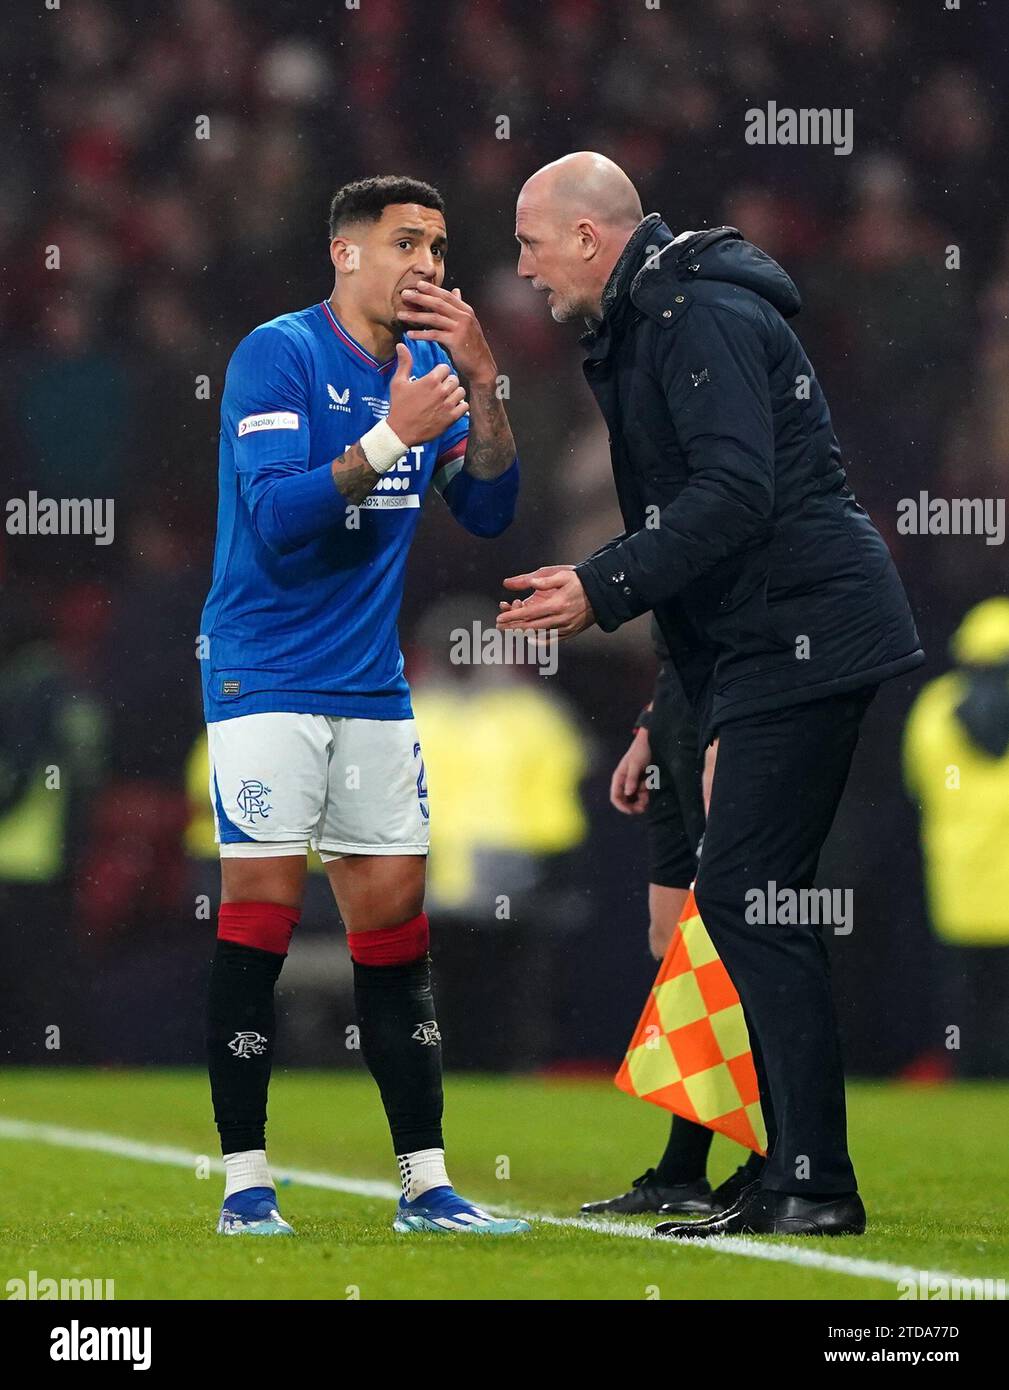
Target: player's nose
(425,267)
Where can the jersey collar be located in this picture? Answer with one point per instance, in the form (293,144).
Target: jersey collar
(352,342)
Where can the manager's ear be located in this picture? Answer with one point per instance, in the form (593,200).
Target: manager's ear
(345,255)
(589,240)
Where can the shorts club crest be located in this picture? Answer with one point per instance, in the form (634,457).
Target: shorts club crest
(341,786)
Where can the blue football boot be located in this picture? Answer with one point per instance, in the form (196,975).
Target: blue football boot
(444,1212)
(252,1212)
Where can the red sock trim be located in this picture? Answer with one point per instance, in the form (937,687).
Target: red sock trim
(266,926)
(391,945)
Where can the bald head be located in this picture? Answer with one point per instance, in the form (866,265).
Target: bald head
(572,220)
(585,185)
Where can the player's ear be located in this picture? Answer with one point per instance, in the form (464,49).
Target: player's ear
(345,255)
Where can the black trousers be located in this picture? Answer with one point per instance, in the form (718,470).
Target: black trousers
(778,781)
(675,814)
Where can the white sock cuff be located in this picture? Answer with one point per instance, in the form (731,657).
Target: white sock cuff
(248,1168)
(421,1170)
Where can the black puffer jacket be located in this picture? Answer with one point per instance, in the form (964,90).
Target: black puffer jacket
(770,583)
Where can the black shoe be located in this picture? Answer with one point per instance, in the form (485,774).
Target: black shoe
(766,1213)
(728,1195)
(737,1185)
(649,1194)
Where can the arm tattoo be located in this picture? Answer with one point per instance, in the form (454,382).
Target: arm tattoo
(491,447)
(353,474)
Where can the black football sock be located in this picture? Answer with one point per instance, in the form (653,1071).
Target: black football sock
(240,1029)
(686,1155)
(754,1165)
(402,1047)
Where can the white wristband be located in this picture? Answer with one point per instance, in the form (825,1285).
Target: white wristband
(382,447)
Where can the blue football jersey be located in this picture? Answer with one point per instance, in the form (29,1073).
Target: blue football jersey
(306,591)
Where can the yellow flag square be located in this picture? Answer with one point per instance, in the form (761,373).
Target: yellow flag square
(680,1001)
(712,1093)
(652,1068)
(729,1027)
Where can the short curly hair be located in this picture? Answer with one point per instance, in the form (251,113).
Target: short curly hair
(366,199)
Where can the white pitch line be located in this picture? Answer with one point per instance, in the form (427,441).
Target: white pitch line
(169,1155)
(756,1250)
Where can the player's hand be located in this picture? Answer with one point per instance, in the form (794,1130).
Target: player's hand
(559,603)
(438,316)
(423,409)
(628,792)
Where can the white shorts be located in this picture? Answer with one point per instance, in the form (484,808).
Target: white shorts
(280,783)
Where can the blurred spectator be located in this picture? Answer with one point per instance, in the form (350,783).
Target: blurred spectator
(956,758)
(73,405)
(53,739)
(504,758)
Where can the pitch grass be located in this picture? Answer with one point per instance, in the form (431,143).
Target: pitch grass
(931,1162)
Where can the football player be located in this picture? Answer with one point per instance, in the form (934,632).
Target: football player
(335,422)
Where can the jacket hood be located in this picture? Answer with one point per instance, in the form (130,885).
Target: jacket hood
(723,254)
(720,253)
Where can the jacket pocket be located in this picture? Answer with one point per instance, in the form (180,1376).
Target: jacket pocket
(732,608)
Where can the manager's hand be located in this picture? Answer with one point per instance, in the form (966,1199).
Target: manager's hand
(557,603)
